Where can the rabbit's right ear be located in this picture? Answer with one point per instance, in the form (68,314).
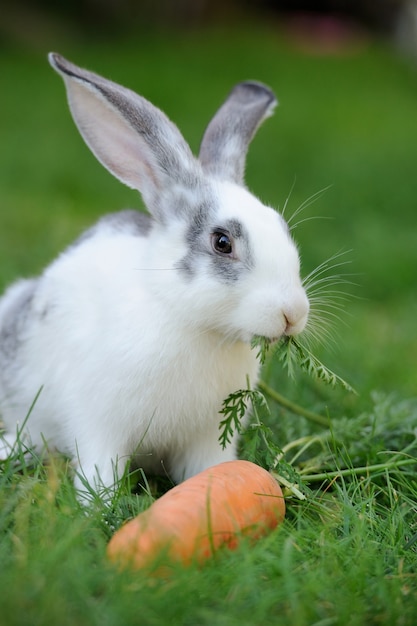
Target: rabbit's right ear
(133,139)
(226,140)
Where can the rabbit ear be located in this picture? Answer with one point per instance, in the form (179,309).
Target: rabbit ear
(226,140)
(133,139)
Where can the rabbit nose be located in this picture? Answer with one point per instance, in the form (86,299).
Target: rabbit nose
(296,316)
(289,327)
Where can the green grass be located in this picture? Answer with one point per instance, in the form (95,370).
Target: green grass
(348,553)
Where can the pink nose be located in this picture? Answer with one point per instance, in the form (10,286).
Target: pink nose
(296,315)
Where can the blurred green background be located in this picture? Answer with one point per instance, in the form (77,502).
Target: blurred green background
(347,123)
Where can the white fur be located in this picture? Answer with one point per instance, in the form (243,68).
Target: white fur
(133,356)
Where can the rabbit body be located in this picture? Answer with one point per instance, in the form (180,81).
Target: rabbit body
(134,336)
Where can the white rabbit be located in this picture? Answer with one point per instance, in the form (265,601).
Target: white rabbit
(135,335)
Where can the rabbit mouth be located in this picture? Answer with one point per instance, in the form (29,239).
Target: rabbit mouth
(272,340)
(264,342)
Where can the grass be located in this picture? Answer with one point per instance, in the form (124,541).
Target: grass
(347,554)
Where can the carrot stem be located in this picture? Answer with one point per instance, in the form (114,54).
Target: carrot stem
(293,407)
(291,486)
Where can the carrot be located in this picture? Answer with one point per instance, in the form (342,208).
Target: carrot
(191,521)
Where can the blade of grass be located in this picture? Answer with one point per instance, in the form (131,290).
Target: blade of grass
(357,471)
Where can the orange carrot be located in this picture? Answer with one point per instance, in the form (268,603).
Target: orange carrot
(191,521)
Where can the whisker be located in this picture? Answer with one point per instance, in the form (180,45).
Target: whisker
(308,202)
(308,219)
(324,282)
(317,335)
(328,265)
(320,294)
(324,286)
(288,197)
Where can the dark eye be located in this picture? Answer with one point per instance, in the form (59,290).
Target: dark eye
(222,243)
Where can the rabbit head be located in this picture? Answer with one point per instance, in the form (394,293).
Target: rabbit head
(228,263)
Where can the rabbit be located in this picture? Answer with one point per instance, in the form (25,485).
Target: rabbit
(125,347)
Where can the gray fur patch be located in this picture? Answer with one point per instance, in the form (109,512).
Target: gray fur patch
(195,239)
(13,324)
(227,269)
(129,221)
(237,231)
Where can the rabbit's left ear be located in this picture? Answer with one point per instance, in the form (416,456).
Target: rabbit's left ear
(227,138)
(132,138)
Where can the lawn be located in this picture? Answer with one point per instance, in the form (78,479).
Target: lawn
(344,135)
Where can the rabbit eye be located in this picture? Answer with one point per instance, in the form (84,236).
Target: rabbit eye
(222,243)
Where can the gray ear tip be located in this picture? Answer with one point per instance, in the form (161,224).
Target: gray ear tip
(62,66)
(53,58)
(57,62)
(251,90)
